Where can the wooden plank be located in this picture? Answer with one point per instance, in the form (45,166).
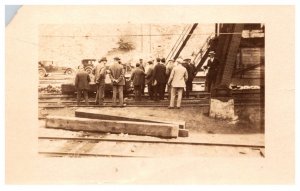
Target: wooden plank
(98,114)
(108,126)
(70,88)
(183,133)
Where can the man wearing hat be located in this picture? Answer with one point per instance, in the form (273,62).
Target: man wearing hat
(117,74)
(160,77)
(141,63)
(142,68)
(177,80)
(149,77)
(82,81)
(170,66)
(100,71)
(138,80)
(191,73)
(213,65)
(163,61)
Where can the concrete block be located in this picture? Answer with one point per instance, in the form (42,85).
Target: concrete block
(98,114)
(222,109)
(107,126)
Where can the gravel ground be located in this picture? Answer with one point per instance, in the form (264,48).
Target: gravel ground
(248,129)
(250,118)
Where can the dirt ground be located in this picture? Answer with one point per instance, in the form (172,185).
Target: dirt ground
(250,119)
(248,129)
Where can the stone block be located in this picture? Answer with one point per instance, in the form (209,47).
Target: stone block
(222,108)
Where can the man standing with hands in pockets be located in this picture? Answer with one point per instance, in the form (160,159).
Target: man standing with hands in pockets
(99,72)
(178,77)
(118,81)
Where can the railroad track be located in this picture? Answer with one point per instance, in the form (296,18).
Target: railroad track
(201,99)
(71,102)
(124,147)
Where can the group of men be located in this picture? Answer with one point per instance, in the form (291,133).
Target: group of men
(177,75)
(117,76)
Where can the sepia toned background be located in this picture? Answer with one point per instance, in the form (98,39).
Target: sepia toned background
(23,165)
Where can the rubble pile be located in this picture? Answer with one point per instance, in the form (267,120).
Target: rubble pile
(50,89)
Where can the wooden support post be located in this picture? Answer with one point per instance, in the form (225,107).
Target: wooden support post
(107,126)
(232,51)
(221,102)
(185,40)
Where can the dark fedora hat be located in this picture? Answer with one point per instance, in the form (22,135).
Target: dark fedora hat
(103,59)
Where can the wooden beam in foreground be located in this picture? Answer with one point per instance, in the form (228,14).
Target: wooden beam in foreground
(98,114)
(107,126)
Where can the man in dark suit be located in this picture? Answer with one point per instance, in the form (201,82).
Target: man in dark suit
(82,80)
(99,71)
(149,80)
(213,65)
(141,64)
(142,67)
(138,80)
(163,61)
(191,74)
(117,75)
(159,75)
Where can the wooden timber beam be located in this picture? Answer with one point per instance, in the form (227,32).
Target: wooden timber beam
(230,56)
(122,116)
(107,126)
(185,40)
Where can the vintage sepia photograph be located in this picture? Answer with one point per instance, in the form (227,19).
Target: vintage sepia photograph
(145,90)
(150,95)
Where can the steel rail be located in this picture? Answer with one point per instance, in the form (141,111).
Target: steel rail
(86,154)
(152,141)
